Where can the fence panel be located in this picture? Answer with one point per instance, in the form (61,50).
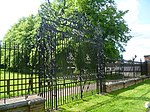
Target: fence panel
(17,72)
(24,72)
(116,70)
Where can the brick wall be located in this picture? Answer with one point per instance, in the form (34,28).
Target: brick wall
(123,84)
(33,103)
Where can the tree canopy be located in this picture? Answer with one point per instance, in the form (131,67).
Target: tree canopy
(115,31)
(23,32)
(19,42)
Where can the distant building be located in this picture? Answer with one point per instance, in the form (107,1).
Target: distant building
(147,57)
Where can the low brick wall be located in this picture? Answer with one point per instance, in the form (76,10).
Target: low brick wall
(123,84)
(138,80)
(33,103)
(129,82)
(114,86)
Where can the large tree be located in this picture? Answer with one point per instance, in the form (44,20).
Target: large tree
(19,42)
(115,30)
(24,31)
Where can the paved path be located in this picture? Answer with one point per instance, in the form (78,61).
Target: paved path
(72,90)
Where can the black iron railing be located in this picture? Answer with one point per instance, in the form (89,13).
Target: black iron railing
(23,73)
(17,75)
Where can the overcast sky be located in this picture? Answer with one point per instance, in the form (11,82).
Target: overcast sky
(138,19)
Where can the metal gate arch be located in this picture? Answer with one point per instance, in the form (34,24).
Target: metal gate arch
(68,49)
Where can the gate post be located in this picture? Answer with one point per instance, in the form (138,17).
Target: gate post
(100,60)
(141,67)
(80,66)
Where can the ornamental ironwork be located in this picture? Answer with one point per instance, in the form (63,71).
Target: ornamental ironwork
(68,44)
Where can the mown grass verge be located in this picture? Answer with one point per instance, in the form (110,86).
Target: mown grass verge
(131,99)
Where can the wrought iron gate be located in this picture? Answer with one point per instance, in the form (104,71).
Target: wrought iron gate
(70,56)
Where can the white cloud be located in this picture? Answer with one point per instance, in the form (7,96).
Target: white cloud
(139,44)
(132,6)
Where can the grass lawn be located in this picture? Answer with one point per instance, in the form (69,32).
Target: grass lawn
(14,84)
(131,99)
